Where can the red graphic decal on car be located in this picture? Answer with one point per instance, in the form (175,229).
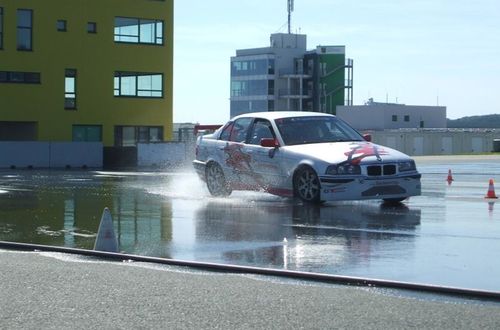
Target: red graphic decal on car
(236,158)
(360,151)
(240,161)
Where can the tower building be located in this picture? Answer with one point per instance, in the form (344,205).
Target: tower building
(287,77)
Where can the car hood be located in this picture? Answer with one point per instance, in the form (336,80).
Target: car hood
(356,152)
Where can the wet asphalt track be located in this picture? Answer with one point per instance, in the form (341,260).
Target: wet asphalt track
(448,236)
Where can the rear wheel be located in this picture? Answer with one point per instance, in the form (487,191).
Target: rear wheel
(306,185)
(216,181)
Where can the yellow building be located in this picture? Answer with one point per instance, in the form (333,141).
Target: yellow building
(86,70)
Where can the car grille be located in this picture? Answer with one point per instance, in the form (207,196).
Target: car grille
(379,170)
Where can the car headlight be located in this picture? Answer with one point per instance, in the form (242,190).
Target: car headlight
(346,169)
(408,165)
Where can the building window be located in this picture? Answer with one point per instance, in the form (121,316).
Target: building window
(92,27)
(270,105)
(70,89)
(18,131)
(252,67)
(61,25)
(322,67)
(87,133)
(19,77)
(138,30)
(270,87)
(1,28)
(407,118)
(252,87)
(137,84)
(394,118)
(129,136)
(24,29)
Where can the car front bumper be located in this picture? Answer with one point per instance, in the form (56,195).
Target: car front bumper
(360,188)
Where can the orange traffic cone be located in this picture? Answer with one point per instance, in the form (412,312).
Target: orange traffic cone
(450,177)
(491,191)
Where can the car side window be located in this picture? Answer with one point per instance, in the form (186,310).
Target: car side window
(236,131)
(226,132)
(240,130)
(261,129)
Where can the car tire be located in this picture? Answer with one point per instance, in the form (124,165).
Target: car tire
(306,185)
(216,181)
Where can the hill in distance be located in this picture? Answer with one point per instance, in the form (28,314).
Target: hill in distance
(487,121)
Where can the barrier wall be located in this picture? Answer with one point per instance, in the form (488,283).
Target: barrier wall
(418,143)
(90,154)
(50,154)
(163,154)
(414,143)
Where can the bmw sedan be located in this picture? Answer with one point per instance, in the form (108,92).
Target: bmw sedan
(312,156)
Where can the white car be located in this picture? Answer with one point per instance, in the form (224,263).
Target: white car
(313,156)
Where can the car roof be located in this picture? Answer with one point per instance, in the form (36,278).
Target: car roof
(273,115)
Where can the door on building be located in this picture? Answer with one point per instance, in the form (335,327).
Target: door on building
(391,142)
(447,145)
(418,146)
(477,144)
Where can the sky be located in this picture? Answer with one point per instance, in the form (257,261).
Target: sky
(420,52)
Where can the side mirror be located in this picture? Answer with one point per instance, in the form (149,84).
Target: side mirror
(269,143)
(367,137)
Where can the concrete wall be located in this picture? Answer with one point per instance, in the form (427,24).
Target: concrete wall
(442,142)
(379,116)
(164,154)
(50,154)
(76,154)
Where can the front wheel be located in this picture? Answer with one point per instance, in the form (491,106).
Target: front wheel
(306,185)
(216,181)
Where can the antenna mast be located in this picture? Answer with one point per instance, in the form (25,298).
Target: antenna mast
(290,10)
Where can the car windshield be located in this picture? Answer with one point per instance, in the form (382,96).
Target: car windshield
(315,129)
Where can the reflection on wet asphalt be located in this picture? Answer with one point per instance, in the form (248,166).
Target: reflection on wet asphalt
(448,236)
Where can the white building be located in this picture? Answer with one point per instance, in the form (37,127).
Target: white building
(419,142)
(382,116)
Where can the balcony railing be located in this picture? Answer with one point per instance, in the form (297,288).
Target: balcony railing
(291,72)
(295,92)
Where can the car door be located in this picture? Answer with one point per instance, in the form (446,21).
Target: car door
(233,155)
(264,161)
